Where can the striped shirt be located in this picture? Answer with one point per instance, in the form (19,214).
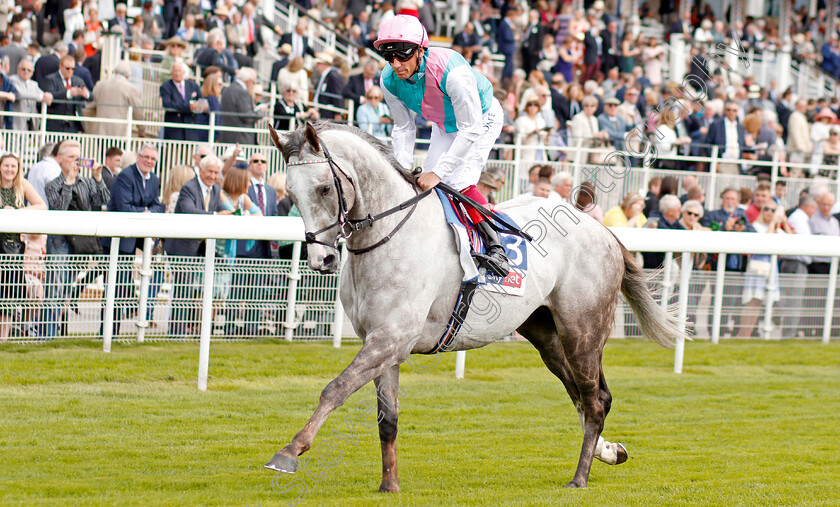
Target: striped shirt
(92,195)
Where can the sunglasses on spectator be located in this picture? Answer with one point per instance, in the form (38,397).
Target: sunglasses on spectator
(258,161)
(375,97)
(768,208)
(692,213)
(403,56)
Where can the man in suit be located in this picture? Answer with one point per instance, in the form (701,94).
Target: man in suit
(28,97)
(211,54)
(730,136)
(69,94)
(253,30)
(610,47)
(330,86)
(238,108)
(111,99)
(591,55)
(467,42)
(199,196)
(298,41)
(358,84)
(277,66)
(532,41)
(179,96)
(15,51)
(135,190)
(244,286)
(48,64)
(506,39)
(120,19)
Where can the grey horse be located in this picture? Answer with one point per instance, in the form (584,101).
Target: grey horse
(400,296)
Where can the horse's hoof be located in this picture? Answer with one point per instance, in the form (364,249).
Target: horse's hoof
(283,464)
(389,488)
(576,484)
(621,453)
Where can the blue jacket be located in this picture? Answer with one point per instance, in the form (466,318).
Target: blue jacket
(720,216)
(190,200)
(7,86)
(717,136)
(505,39)
(178,110)
(130,195)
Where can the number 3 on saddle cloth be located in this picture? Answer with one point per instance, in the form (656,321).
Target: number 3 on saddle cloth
(468,241)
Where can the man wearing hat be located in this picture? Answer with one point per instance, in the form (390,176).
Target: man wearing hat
(487,186)
(330,86)
(612,123)
(219,18)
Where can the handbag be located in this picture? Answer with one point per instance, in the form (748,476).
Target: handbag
(759,268)
(599,156)
(10,246)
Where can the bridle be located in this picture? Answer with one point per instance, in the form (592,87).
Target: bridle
(346,225)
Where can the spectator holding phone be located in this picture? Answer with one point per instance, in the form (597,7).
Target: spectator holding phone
(374,116)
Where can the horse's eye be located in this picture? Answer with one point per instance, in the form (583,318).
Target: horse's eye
(324,191)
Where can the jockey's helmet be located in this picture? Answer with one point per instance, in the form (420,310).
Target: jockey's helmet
(400,36)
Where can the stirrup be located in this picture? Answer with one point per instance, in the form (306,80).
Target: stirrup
(495,262)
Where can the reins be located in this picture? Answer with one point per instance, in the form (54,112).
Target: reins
(347,226)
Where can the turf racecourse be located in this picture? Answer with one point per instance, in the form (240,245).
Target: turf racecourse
(748,423)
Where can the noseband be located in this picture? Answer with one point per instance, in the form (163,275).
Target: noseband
(346,225)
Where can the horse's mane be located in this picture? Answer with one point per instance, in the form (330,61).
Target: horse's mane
(296,141)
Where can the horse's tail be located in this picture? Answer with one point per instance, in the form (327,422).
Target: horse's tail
(657,323)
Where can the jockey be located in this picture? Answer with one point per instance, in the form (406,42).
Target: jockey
(441,86)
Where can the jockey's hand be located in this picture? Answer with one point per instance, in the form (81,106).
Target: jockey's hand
(428,180)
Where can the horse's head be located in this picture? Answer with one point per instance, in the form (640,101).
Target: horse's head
(322,194)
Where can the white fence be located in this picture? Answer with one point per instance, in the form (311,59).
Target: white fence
(119,285)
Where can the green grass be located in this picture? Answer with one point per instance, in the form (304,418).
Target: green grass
(747,423)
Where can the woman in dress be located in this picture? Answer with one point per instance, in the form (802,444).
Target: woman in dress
(819,133)
(577,28)
(92,29)
(15,193)
(652,56)
(73,20)
(759,268)
(831,154)
(530,126)
(585,131)
(549,56)
(373,116)
(234,198)
(566,58)
(629,53)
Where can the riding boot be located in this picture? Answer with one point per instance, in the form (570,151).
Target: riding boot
(495,260)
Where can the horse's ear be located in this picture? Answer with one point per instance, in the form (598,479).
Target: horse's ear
(279,140)
(312,137)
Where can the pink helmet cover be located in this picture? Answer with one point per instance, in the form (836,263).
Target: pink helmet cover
(402,28)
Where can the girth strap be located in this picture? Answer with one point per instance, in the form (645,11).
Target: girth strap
(459,314)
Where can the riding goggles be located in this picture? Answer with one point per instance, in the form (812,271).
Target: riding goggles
(400,50)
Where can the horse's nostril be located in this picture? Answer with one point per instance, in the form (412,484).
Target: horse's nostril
(329,260)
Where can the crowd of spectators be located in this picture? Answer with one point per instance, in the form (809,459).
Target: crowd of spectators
(564,77)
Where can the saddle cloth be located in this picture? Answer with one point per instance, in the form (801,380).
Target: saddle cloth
(468,240)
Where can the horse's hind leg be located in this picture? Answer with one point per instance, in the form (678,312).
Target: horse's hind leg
(540,329)
(387,396)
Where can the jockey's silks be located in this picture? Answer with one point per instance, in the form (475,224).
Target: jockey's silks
(427,96)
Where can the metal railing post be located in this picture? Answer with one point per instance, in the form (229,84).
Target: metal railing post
(711,192)
(129,126)
(43,124)
(829,300)
(110,294)
(206,314)
(145,276)
(685,276)
(666,279)
(718,301)
(460,363)
(294,277)
(770,286)
(338,319)
(211,136)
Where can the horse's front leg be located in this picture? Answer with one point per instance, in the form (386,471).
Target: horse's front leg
(379,353)
(387,396)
